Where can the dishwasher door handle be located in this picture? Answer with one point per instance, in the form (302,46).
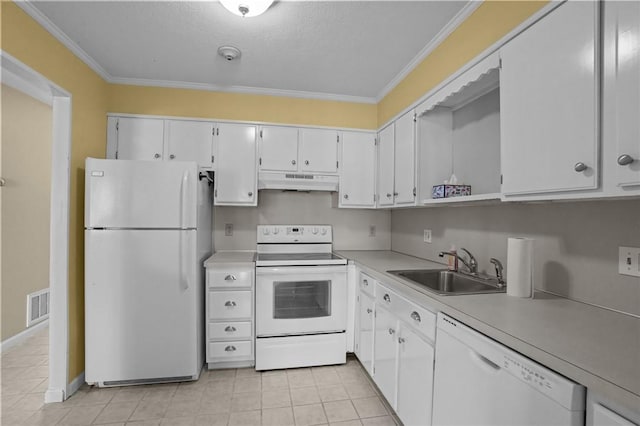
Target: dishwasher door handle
(484,362)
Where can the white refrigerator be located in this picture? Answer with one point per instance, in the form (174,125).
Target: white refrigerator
(147,233)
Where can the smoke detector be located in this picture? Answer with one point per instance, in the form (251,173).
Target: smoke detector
(229,52)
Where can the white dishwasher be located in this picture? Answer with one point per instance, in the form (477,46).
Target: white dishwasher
(481,382)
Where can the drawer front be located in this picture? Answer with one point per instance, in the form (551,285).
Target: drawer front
(231,330)
(229,277)
(422,319)
(367,284)
(230,304)
(229,350)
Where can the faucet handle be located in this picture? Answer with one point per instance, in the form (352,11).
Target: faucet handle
(473,263)
(499,269)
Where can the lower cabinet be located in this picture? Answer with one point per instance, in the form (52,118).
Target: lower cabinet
(229,315)
(401,357)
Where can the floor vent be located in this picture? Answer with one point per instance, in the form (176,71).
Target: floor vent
(37,307)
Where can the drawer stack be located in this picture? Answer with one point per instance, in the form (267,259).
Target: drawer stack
(230,328)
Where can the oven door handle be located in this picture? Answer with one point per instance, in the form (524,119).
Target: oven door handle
(302,270)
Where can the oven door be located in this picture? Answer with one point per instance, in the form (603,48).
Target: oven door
(294,300)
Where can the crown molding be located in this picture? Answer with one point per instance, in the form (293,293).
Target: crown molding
(170,84)
(55,31)
(445,32)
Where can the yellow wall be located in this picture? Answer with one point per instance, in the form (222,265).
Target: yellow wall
(234,106)
(92,98)
(489,23)
(26,40)
(26,139)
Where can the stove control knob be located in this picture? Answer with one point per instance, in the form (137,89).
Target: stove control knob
(275,230)
(324,231)
(265,231)
(315,231)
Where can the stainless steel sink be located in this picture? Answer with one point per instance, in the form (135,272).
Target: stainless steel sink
(450,283)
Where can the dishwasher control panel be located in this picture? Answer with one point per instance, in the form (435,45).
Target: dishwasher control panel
(527,372)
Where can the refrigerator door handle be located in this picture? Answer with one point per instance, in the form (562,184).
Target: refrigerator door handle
(182,269)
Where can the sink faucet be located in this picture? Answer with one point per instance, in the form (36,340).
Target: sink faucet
(499,273)
(473,268)
(473,263)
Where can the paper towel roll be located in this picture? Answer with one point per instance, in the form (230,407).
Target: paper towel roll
(520,267)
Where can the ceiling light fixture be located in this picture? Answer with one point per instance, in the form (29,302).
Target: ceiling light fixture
(246,8)
(229,52)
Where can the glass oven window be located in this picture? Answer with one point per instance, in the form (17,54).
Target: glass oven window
(301,299)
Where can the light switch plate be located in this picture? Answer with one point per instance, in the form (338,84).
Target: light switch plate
(629,261)
(228,229)
(372,230)
(427,236)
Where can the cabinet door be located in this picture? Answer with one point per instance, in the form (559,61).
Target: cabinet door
(623,38)
(549,103)
(386,143)
(357,174)
(140,138)
(404,160)
(364,348)
(385,354)
(236,182)
(415,378)
(318,150)
(278,149)
(190,141)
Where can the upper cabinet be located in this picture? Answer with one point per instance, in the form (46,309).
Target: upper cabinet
(458,132)
(134,138)
(137,138)
(278,148)
(396,163)
(319,150)
(289,149)
(190,141)
(549,90)
(236,180)
(357,175)
(621,123)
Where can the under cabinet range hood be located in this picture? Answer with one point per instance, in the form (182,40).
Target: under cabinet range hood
(297,181)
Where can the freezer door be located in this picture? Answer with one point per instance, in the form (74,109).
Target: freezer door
(142,315)
(140,194)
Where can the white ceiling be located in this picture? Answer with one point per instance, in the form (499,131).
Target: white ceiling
(349,50)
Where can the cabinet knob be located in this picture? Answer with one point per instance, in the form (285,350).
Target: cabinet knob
(172,156)
(2,182)
(365,282)
(230,329)
(625,160)
(391,331)
(415,316)
(156,156)
(306,162)
(401,340)
(230,348)
(580,167)
(395,194)
(388,195)
(387,298)
(346,196)
(369,310)
(230,303)
(250,194)
(293,162)
(230,278)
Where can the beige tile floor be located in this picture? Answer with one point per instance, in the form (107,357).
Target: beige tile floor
(333,395)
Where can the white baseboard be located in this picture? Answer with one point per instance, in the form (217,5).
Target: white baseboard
(53,395)
(75,385)
(22,336)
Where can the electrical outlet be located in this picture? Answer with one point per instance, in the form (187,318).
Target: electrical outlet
(372,230)
(629,261)
(427,236)
(228,229)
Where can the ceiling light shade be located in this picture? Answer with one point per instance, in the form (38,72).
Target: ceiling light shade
(246,8)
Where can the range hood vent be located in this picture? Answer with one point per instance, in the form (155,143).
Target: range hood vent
(297,181)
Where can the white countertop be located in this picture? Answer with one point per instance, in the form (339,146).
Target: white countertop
(596,347)
(230,257)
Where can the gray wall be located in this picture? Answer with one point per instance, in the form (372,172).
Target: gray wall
(350,226)
(576,247)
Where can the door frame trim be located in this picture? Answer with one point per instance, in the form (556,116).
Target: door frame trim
(25,79)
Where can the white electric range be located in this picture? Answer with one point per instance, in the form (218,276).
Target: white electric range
(301,298)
